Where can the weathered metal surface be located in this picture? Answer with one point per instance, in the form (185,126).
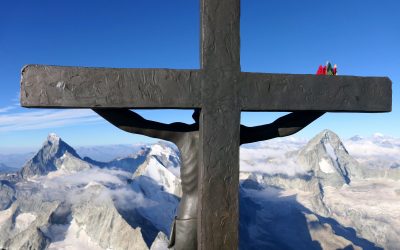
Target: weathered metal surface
(79,87)
(220,34)
(218,210)
(284,92)
(219,162)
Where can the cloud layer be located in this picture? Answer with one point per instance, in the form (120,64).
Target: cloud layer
(42,119)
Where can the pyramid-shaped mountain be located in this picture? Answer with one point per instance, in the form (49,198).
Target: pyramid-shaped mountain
(50,157)
(326,158)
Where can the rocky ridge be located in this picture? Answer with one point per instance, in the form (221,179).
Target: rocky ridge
(57,204)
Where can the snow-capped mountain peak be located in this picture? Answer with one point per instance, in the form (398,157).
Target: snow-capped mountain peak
(327,137)
(48,157)
(168,155)
(159,149)
(326,157)
(152,168)
(53,138)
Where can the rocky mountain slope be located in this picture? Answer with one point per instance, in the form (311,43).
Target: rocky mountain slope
(293,195)
(340,201)
(59,200)
(55,154)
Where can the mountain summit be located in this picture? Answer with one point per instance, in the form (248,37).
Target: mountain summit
(50,157)
(326,158)
(53,138)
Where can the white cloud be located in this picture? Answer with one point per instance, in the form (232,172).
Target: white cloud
(70,187)
(41,119)
(275,156)
(6,109)
(20,119)
(15,104)
(378,151)
(82,178)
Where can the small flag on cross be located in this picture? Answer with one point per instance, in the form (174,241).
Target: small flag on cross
(327,69)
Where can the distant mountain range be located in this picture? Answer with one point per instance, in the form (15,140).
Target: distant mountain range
(320,194)
(6,169)
(102,153)
(370,150)
(15,160)
(106,153)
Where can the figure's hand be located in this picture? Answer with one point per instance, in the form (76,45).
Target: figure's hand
(283,126)
(287,131)
(296,121)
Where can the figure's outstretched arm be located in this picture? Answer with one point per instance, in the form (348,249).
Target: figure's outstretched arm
(283,126)
(131,122)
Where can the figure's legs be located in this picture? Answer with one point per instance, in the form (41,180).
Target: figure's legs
(184,234)
(184,230)
(185,224)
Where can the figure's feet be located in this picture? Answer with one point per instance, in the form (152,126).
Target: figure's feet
(184,234)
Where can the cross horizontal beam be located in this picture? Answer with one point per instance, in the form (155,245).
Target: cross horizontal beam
(82,87)
(77,87)
(290,92)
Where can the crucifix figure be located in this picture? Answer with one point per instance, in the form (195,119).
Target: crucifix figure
(186,138)
(221,91)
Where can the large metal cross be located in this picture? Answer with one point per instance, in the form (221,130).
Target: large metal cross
(222,91)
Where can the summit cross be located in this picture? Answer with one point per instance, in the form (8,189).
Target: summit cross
(221,91)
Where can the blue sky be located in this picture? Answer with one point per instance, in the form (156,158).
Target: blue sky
(278,36)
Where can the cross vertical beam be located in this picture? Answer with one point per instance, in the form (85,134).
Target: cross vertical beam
(220,34)
(218,209)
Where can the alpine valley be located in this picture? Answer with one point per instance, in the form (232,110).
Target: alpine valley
(320,194)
